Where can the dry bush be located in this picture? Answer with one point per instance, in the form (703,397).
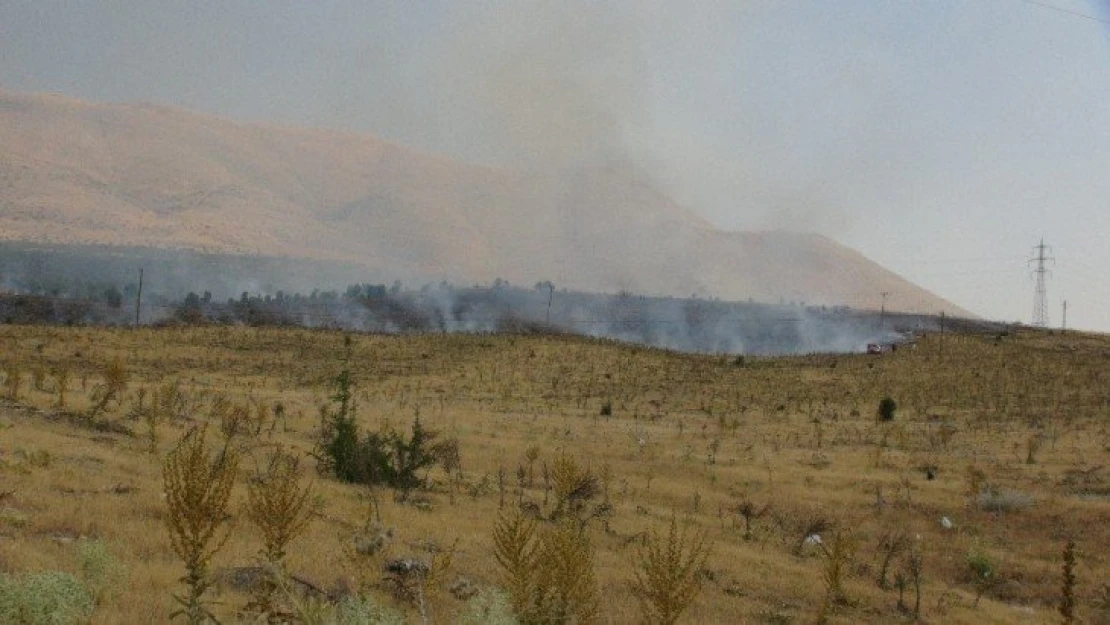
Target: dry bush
(515,548)
(837,558)
(1002,500)
(982,574)
(197,489)
(892,543)
(13,380)
(668,573)
(61,385)
(812,525)
(111,389)
(280,508)
(549,573)
(38,378)
(413,580)
(172,401)
(235,421)
(750,512)
(574,486)
(1067,589)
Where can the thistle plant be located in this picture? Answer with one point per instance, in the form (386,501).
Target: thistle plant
(280,508)
(667,573)
(549,574)
(197,489)
(573,486)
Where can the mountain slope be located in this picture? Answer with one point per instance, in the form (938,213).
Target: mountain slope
(122,174)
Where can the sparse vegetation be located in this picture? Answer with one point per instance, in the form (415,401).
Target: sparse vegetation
(754,459)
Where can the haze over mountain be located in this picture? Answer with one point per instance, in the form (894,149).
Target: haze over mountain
(75,172)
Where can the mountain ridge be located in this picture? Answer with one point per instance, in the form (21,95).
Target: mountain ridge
(79,172)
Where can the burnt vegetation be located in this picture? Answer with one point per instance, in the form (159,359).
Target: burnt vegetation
(91,285)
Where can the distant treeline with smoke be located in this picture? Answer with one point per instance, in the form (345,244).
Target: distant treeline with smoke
(62,289)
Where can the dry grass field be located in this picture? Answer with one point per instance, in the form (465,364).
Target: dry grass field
(1007,438)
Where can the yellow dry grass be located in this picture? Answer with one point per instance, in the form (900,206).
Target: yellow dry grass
(691,436)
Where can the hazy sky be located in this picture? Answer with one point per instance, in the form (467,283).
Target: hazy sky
(941,138)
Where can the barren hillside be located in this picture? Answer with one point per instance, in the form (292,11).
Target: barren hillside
(122,174)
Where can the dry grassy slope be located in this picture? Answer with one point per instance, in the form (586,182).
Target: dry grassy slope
(797,433)
(82,172)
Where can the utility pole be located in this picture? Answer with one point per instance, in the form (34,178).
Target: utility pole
(942,333)
(550,296)
(1040,298)
(1064,322)
(139,297)
(882,310)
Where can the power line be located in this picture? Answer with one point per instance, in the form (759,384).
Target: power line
(976,259)
(1058,9)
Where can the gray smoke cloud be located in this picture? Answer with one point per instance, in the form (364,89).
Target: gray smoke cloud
(900,129)
(100,286)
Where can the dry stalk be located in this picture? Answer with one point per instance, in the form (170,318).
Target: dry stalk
(280,508)
(197,490)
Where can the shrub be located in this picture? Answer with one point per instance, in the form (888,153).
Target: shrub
(13,380)
(411,456)
(59,598)
(44,598)
(549,574)
(982,572)
(574,486)
(197,490)
(339,440)
(891,545)
(667,575)
(61,385)
(38,378)
(351,610)
(386,457)
(383,457)
(100,570)
(887,406)
(281,509)
(1002,500)
(489,607)
(111,389)
(837,560)
(357,610)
